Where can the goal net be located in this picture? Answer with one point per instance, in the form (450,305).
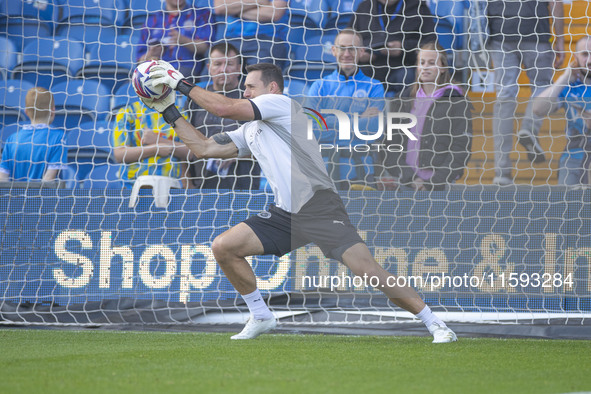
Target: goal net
(89,248)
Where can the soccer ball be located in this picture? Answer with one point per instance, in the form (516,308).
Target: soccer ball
(142,84)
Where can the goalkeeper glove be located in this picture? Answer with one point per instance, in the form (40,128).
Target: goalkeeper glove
(166,107)
(164,73)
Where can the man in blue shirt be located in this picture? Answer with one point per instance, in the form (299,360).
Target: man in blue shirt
(35,152)
(178,34)
(348,90)
(572,91)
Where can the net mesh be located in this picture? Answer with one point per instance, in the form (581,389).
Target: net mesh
(89,249)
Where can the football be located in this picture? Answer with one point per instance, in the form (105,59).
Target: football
(142,84)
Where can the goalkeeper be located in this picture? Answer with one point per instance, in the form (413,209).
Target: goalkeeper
(307,208)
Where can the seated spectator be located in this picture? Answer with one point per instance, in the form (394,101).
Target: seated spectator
(257,28)
(444,126)
(179,34)
(35,152)
(148,145)
(225,70)
(393,29)
(572,91)
(349,90)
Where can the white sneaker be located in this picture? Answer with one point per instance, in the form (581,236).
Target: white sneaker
(442,334)
(502,181)
(254,328)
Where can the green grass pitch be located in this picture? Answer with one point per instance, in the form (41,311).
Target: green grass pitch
(55,361)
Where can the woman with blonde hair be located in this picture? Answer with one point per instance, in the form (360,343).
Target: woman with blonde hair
(444,126)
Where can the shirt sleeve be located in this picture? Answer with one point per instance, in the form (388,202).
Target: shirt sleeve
(272,106)
(7,163)
(239,140)
(58,154)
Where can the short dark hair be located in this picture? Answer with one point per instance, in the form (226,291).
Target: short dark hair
(269,73)
(226,48)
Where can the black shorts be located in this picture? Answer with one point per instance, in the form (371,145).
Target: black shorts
(323,220)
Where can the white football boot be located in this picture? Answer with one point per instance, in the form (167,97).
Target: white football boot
(254,328)
(442,334)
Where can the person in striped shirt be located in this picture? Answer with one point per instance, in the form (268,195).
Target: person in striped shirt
(148,145)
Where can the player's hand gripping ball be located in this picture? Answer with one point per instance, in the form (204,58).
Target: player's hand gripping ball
(155,96)
(144,85)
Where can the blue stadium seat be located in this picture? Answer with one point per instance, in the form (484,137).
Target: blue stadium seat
(295,87)
(7,57)
(104,176)
(314,59)
(123,97)
(112,64)
(100,12)
(23,20)
(140,9)
(12,101)
(79,101)
(89,145)
(88,35)
(47,62)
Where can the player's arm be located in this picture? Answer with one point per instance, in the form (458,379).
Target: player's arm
(219,146)
(50,175)
(4,176)
(214,103)
(547,102)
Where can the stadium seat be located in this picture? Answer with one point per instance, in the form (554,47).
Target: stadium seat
(12,101)
(104,176)
(295,87)
(112,64)
(7,57)
(123,97)
(23,21)
(49,61)
(100,12)
(314,59)
(89,145)
(89,36)
(79,101)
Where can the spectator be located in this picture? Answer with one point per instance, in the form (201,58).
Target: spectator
(179,34)
(225,70)
(572,91)
(35,152)
(443,130)
(393,29)
(357,93)
(520,34)
(148,145)
(258,28)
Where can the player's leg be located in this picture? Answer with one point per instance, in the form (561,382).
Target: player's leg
(231,249)
(538,60)
(507,61)
(361,262)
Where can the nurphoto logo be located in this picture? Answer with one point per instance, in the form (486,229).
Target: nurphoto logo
(347,129)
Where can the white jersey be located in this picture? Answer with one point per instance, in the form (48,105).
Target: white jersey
(291,163)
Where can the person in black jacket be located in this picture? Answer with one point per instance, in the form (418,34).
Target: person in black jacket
(443,130)
(393,30)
